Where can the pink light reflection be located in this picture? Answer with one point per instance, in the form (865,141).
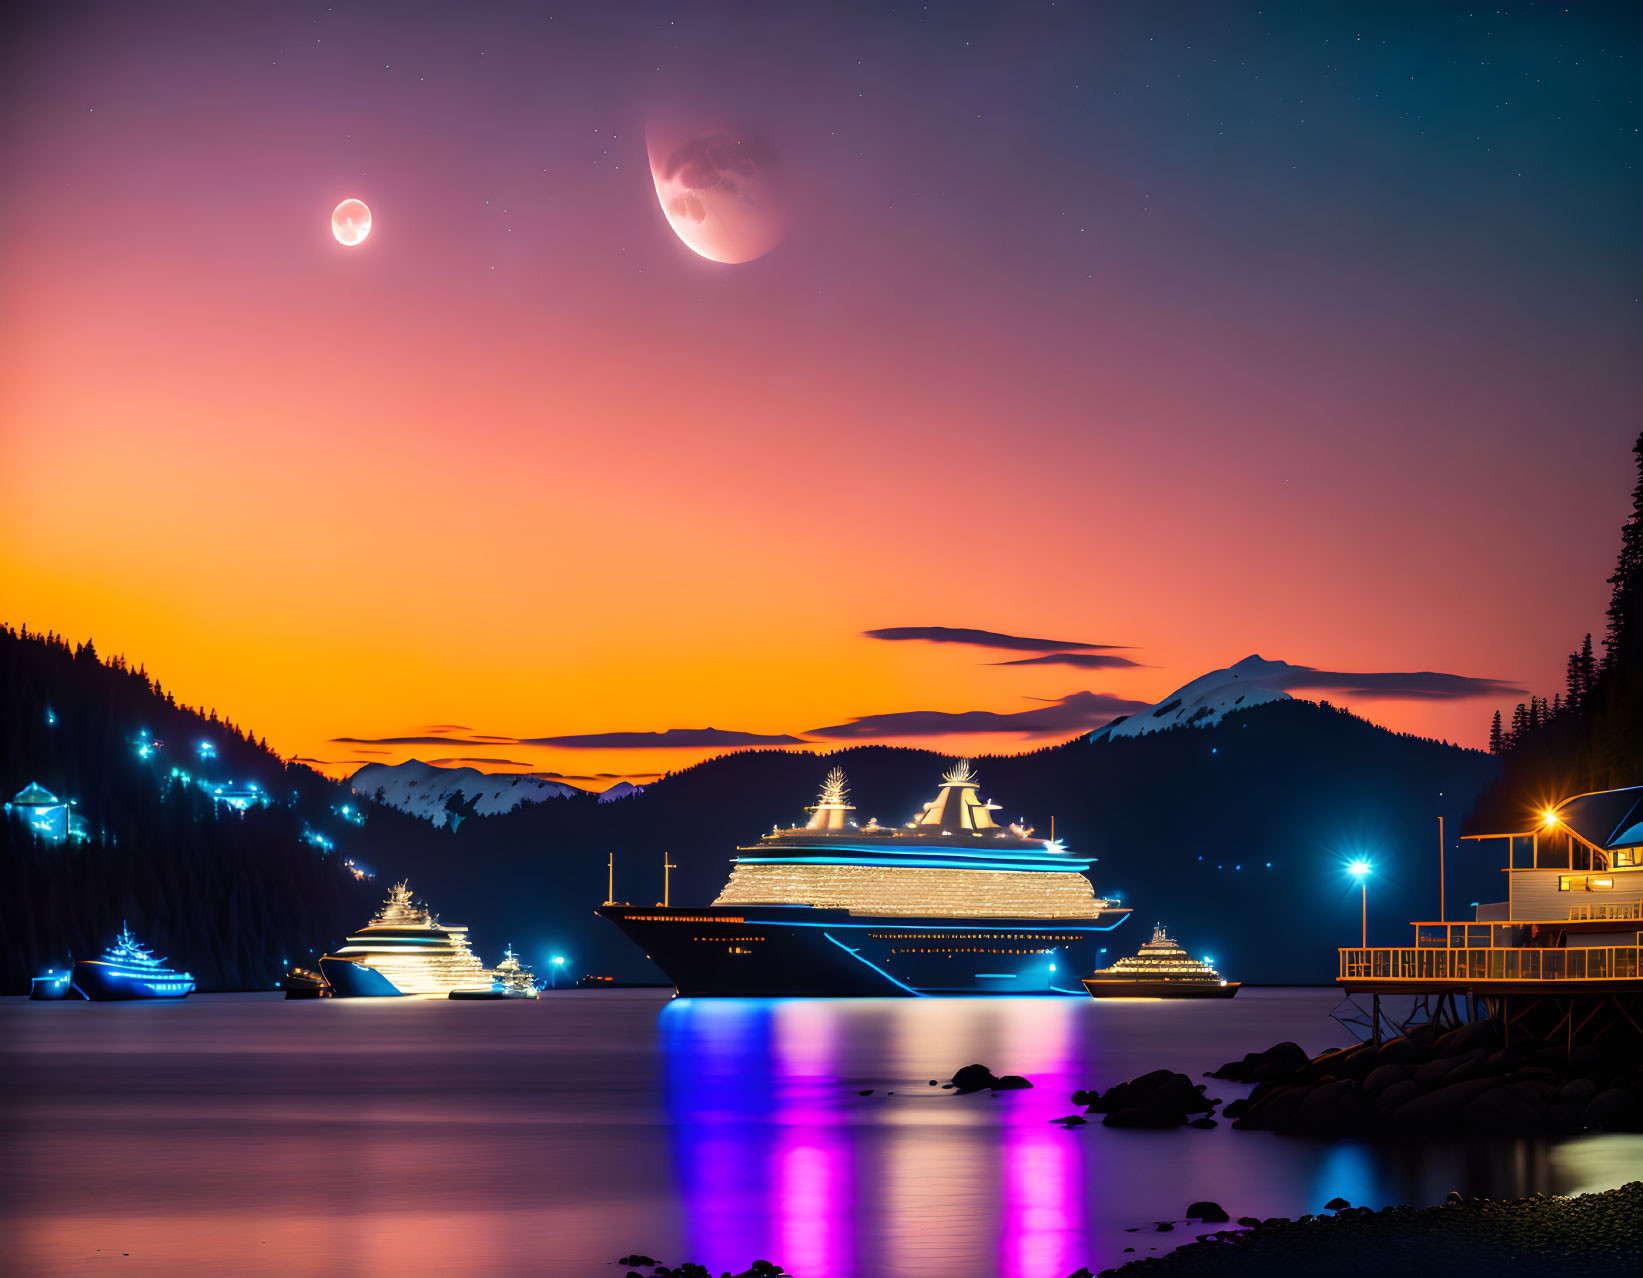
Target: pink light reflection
(815,1211)
(1041,1229)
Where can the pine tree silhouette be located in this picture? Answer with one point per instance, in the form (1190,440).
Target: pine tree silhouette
(1594,741)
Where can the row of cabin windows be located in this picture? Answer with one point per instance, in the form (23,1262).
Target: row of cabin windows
(970,936)
(918,949)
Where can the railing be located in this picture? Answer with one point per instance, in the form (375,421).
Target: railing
(1595,963)
(1619,911)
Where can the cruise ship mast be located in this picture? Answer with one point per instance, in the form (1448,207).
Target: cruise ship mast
(829,810)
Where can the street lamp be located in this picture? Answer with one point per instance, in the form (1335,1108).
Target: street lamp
(558,962)
(1360,870)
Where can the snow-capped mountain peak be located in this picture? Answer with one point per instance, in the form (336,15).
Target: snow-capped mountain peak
(422,790)
(1208,699)
(620,790)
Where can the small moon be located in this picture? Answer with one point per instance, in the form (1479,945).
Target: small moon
(351,222)
(720,189)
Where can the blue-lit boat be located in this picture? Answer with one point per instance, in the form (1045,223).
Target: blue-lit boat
(127,970)
(949,903)
(51,987)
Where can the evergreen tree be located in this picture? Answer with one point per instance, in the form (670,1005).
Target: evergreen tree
(1519,731)
(1588,669)
(1496,741)
(1626,605)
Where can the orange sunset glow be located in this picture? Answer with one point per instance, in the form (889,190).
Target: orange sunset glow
(523,462)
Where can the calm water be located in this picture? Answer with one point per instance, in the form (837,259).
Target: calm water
(247,1135)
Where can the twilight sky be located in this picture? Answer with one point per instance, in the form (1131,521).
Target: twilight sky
(1173,332)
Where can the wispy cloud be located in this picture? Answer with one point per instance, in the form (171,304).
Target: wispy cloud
(507,763)
(671,739)
(1079,712)
(393,741)
(1075,660)
(1418,685)
(981,639)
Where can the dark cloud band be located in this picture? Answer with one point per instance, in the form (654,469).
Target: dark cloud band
(1074,660)
(980,639)
(671,739)
(1418,685)
(1080,712)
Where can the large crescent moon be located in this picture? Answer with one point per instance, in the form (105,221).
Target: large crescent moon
(351,222)
(720,190)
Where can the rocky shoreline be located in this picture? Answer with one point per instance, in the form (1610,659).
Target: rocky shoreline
(1428,1084)
(1593,1236)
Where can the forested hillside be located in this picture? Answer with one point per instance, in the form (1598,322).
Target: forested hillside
(230,896)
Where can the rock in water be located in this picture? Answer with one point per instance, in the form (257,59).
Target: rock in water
(978,1078)
(1336,1204)
(1208,1212)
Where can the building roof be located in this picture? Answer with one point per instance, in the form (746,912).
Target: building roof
(1607,819)
(35,795)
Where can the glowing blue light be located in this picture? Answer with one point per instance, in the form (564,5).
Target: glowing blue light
(1052,967)
(856,954)
(1209,960)
(51,717)
(558,960)
(1359,869)
(207,750)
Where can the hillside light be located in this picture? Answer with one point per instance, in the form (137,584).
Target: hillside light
(558,961)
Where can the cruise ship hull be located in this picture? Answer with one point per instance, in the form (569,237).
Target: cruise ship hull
(355,980)
(101,982)
(1161,989)
(800,951)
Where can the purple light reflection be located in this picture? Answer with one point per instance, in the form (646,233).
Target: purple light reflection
(816,1213)
(1042,1229)
(1041,1222)
(777,1154)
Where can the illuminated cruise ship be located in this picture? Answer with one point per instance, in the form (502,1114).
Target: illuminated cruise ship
(405,950)
(1161,970)
(950,903)
(128,970)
